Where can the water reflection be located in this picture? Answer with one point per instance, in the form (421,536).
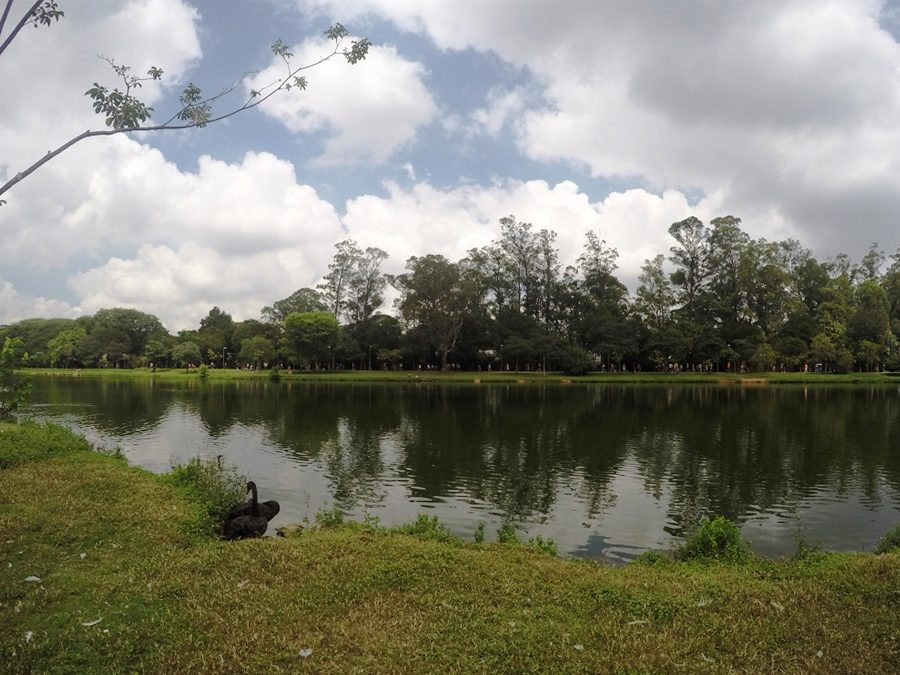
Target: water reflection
(607,471)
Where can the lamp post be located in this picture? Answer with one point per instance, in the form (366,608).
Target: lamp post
(370,357)
(501,357)
(331,349)
(223,357)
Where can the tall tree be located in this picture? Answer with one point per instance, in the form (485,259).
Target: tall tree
(301,300)
(435,299)
(365,287)
(334,286)
(311,336)
(691,264)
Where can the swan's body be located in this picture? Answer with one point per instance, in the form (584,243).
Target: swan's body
(250,519)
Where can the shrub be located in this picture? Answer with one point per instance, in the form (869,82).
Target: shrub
(507,534)
(547,546)
(216,489)
(330,518)
(274,374)
(428,528)
(890,541)
(716,539)
(203,371)
(479,534)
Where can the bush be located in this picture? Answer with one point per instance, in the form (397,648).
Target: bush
(215,488)
(716,539)
(203,371)
(507,534)
(330,518)
(547,546)
(890,541)
(274,374)
(479,534)
(428,528)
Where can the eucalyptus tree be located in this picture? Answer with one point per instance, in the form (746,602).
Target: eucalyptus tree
(334,286)
(124,112)
(599,303)
(727,284)
(365,287)
(691,262)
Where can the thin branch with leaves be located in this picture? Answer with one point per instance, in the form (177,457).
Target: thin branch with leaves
(125,113)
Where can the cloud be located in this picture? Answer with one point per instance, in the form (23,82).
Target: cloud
(786,109)
(238,235)
(424,219)
(369,111)
(15,306)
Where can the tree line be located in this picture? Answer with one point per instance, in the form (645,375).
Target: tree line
(724,301)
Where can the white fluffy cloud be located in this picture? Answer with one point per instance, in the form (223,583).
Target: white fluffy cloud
(369,111)
(786,109)
(15,306)
(424,219)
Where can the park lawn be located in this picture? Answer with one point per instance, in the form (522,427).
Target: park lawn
(476,377)
(130,581)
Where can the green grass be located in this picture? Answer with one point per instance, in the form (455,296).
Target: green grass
(218,374)
(115,543)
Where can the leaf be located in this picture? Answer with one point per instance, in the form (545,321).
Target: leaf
(638,622)
(305,652)
(88,624)
(29,635)
(32,578)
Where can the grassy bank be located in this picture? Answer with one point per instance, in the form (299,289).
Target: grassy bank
(218,374)
(129,580)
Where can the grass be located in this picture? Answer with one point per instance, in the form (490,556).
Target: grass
(115,543)
(218,374)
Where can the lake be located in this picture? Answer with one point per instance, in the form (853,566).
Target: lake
(606,471)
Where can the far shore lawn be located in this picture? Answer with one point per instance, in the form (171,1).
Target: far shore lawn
(511,377)
(107,568)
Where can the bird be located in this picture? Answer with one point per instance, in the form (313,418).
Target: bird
(250,519)
(245,527)
(247,520)
(267,509)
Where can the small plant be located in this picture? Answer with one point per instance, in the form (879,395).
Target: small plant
(890,541)
(330,518)
(372,523)
(507,534)
(716,539)
(479,534)
(547,546)
(203,371)
(807,552)
(274,374)
(652,558)
(428,528)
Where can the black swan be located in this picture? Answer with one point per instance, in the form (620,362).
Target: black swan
(268,509)
(245,525)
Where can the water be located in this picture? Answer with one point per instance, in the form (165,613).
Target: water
(606,471)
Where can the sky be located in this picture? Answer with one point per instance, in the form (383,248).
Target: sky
(620,117)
